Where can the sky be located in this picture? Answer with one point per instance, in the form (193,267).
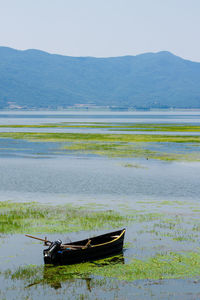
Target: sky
(102,28)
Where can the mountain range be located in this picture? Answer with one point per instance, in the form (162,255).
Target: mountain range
(36,79)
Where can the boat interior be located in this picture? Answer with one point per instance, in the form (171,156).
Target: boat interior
(102,239)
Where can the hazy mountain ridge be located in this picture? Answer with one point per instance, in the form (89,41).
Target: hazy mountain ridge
(36,79)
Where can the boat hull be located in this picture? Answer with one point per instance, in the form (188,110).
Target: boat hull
(109,244)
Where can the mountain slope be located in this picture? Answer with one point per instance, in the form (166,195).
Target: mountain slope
(37,79)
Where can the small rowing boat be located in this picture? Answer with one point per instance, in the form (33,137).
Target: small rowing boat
(85,250)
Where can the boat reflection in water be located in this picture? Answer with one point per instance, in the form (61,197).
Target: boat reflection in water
(55,276)
(66,263)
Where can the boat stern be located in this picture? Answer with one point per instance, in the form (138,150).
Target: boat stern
(50,253)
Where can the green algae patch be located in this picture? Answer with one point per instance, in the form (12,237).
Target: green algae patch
(99,137)
(39,218)
(113,126)
(168,241)
(117,145)
(133,165)
(128,151)
(162,266)
(62,125)
(111,150)
(159,127)
(172,265)
(34,217)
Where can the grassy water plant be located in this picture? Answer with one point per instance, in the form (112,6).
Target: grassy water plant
(116,145)
(161,266)
(113,126)
(99,137)
(34,217)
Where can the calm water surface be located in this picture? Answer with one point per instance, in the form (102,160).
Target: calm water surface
(41,117)
(36,171)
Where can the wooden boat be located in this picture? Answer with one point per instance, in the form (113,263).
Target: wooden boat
(85,250)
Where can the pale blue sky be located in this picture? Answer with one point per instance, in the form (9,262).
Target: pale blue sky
(102,28)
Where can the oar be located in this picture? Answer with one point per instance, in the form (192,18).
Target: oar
(46,242)
(63,246)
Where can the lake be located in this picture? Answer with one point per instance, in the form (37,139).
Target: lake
(156,187)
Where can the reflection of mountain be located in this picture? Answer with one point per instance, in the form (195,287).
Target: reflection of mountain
(37,79)
(67,275)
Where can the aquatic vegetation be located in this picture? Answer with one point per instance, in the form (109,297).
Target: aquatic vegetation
(99,137)
(115,145)
(196,227)
(133,165)
(159,127)
(113,126)
(62,125)
(160,266)
(162,237)
(139,217)
(172,265)
(156,225)
(109,150)
(158,222)
(34,217)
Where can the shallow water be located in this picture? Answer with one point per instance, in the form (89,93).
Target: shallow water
(41,117)
(89,130)
(92,288)
(99,178)
(42,172)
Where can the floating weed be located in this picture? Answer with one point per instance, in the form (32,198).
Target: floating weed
(22,273)
(181,238)
(51,274)
(196,227)
(34,217)
(113,126)
(160,127)
(175,220)
(86,137)
(112,145)
(165,225)
(131,165)
(62,125)
(177,228)
(145,217)
(160,266)
(94,205)
(147,202)
(117,149)
(175,202)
